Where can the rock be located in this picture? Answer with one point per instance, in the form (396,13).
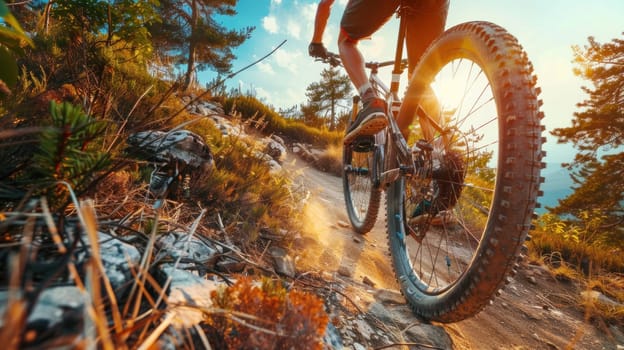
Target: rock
(185,246)
(344,271)
(364,328)
(332,339)
(273,235)
(303,152)
(327,276)
(118,258)
(343,224)
(274,166)
(388,296)
(263,156)
(180,145)
(284,264)
(206,108)
(182,152)
(230,265)
(600,298)
(379,311)
(617,334)
(275,150)
(57,315)
(224,125)
(278,140)
(434,336)
(202,110)
(367,281)
(399,315)
(187,289)
(358,346)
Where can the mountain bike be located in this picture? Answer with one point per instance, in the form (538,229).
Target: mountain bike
(460,166)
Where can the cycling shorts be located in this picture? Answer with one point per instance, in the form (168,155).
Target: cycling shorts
(362,18)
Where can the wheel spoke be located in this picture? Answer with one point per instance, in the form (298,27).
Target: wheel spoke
(443,250)
(362,199)
(444,229)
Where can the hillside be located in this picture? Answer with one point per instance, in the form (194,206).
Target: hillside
(535,311)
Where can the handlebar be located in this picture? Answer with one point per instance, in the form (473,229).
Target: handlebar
(333,59)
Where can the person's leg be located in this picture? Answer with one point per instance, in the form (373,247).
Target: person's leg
(352,60)
(425,22)
(360,20)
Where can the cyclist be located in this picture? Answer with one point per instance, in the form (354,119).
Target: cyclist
(425,21)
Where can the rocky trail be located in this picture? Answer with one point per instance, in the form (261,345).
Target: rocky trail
(349,271)
(535,311)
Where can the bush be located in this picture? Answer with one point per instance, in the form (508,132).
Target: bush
(266,316)
(250,107)
(558,240)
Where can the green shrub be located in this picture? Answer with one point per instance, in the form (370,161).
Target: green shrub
(557,238)
(249,107)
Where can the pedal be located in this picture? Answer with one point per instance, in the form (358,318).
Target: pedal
(363,144)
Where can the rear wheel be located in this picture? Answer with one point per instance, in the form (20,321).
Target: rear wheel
(456,227)
(362,195)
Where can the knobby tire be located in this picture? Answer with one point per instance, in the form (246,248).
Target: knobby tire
(457,227)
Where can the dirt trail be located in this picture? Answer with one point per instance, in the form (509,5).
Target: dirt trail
(533,312)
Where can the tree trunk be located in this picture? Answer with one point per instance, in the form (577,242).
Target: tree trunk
(190,67)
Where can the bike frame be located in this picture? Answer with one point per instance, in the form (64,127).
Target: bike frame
(398,160)
(451,268)
(396,157)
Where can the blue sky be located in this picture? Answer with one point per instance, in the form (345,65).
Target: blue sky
(547,29)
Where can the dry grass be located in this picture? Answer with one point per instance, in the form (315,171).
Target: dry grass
(330,160)
(136,320)
(601,294)
(608,309)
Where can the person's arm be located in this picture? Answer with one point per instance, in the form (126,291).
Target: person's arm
(320,22)
(316,48)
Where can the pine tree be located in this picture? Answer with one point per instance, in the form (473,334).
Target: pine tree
(327,94)
(597,132)
(190,35)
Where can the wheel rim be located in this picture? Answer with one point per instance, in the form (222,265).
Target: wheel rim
(447,211)
(357,172)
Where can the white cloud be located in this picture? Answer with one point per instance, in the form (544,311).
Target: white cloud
(266,68)
(294,29)
(308,12)
(276,2)
(269,23)
(288,59)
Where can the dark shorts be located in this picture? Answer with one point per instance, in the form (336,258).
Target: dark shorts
(425,21)
(362,18)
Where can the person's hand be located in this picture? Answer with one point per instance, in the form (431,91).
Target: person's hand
(317,50)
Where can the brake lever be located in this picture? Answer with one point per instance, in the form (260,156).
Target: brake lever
(331,59)
(334,61)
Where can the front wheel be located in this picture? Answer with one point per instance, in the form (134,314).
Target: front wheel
(457,226)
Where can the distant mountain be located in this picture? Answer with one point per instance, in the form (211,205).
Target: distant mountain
(557,186)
